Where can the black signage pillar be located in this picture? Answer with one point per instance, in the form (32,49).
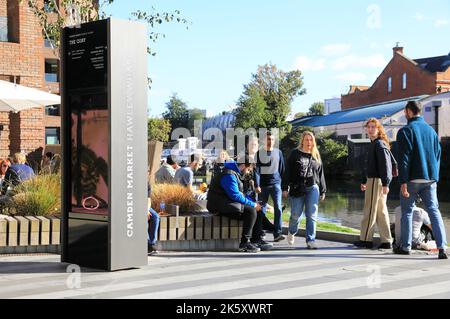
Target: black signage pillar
(104,125)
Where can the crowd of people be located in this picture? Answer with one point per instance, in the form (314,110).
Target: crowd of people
(241,188)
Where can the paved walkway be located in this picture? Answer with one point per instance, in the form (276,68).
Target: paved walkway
(334,271)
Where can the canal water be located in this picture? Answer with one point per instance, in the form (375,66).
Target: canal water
(344,203)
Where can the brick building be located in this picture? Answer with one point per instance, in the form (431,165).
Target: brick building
(30,61)
(403,78)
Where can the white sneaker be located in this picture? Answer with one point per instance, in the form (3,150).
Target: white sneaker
(291,239)
(312,245)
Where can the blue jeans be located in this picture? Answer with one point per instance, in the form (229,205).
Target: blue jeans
(275,192)
(428,193)
(310,204)
(153,226)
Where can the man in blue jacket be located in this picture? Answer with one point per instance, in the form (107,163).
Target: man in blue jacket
(419,154)
(17,173)
(225,197)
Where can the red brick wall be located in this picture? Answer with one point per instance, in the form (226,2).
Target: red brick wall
(419,82)
(3,8)
(24,131)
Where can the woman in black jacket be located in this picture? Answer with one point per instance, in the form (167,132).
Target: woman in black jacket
(304,183)
(376,179)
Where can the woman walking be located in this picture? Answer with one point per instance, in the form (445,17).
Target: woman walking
(376,179)
(305,181)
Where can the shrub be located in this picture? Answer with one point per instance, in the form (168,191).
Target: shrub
(40,196)
(173,194)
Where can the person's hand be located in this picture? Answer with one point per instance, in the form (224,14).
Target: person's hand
(363,187)
(385,190)
(322,197)
(404,190)
(258,207)
(258,190)
(285,194)
(149,214)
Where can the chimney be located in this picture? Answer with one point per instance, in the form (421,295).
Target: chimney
(398,49)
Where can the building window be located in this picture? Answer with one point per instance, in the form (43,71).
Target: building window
(389,84)
(49,6)
(356,136)
(404,81)
(49,43)
(3,29)
(52,135)
(52,110)
(51,70)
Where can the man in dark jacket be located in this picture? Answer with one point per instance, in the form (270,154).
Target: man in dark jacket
(419,154)
(269,171)
(225,196)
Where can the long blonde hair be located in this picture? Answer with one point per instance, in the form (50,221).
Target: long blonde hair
(315,151)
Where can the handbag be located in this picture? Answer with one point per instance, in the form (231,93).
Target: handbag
(394,164)
(299,190)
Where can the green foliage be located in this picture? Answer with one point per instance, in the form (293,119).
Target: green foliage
(194,115)
(334,155)
(53,17)
(277,89)
(252,110)
(177,112)
(317,108)
(159,129)
(292,139)
(299,115)
(40,196)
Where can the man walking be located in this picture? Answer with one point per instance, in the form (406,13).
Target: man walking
(269,170)
(419,154)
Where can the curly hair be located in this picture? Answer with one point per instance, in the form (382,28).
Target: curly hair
(381,132)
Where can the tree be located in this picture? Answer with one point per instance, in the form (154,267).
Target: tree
(195,115)
(317,108)
(278,89)
(159,130)
(177,112)
(333,153)
(299,115)
(251,111)
(54,15)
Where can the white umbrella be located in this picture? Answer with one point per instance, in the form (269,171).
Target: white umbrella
(16,98)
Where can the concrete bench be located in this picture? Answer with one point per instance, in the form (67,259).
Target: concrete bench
(29,234)
(199,233)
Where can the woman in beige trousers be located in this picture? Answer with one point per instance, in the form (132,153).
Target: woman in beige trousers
(376,179)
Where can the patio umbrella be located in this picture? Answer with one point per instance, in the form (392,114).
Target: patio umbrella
(16,98)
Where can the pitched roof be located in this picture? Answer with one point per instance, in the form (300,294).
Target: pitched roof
(434,64)
(359,114)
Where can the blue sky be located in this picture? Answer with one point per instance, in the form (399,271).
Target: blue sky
(334,43)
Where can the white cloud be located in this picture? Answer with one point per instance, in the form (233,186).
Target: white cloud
(438,22)
(304,63)
(336,49)
(441,23)
(357,62)
(351,77)
(420,17)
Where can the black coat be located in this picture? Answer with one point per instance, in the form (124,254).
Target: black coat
(378,163)
(296,166)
